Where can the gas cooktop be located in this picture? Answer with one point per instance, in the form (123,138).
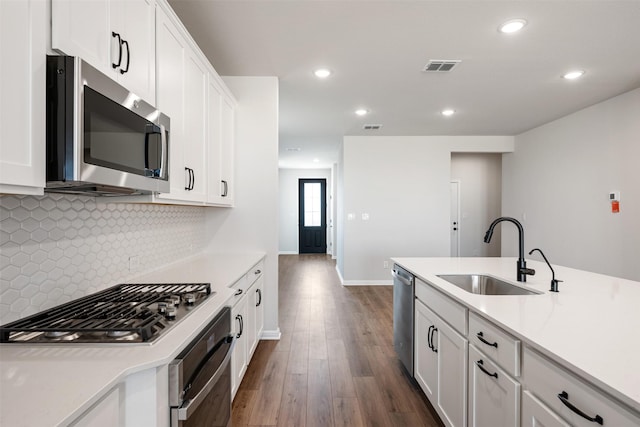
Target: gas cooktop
(125,313)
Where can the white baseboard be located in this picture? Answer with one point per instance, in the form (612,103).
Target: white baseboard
(288,253)
(367,283)
(271,334)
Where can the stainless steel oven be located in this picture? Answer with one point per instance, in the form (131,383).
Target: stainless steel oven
(200,377)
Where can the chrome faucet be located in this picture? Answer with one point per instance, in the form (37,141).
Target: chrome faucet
(522,270)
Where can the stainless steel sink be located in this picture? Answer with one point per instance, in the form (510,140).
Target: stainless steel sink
(484,285)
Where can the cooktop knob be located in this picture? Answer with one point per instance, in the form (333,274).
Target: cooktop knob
(170,313)
(189,298)
(174,299)
(162,307)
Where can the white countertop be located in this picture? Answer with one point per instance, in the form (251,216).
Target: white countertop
(591,327)
(52,384)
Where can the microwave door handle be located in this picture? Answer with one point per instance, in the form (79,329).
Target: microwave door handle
(151,130)
(185,412)
(165,151)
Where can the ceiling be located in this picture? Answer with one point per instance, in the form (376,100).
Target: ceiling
(506,83)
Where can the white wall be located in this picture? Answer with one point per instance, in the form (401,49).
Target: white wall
(560,176)
(252,225)
(480,190)
(402,183)
(288,230)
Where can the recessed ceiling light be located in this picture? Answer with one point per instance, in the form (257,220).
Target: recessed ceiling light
(316,160)
(512,26)
(361,112)
(322,73)
(448,112)
(572,75)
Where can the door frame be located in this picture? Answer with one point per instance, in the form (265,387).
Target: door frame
(323,209)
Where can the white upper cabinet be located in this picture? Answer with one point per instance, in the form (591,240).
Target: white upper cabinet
(22,96)
(115,36)
(221,144)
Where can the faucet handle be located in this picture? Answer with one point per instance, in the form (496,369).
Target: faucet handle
(528,271)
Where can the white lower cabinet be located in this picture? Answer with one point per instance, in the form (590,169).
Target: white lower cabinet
(441,365)
(569,398)
(537,414)
(247,314)
(239,358)
(494,397)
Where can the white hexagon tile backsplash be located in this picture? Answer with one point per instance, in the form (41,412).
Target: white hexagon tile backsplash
(56,247)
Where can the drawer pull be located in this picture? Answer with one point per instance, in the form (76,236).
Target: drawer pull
(238,292)
(564,398)
(480,336)
(480,364)
(257,272)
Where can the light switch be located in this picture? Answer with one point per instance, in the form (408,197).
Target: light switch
(351,216)
(365,217)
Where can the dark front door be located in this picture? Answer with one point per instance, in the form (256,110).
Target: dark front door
(312,225)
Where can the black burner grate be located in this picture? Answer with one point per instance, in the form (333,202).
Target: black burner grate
(123,313)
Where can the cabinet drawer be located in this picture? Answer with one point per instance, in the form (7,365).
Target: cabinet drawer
(548,381)
(255,272)
(241,287)
(453,313)
(494,397)
(500,346)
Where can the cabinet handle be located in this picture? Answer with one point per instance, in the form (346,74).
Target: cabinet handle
(564,398)
(257,272)
(480,336)
(191,180)
(225,192)
(114,34)
(128,57)
(238,292)
(241,323)
(480,364)
(433,346)
(429,337)
(259,292)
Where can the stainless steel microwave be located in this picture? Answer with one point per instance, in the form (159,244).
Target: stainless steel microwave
(101,138)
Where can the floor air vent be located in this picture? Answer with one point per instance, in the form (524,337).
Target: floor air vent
(371,127)
(440,65)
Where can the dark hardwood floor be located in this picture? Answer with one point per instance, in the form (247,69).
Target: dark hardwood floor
(335,364)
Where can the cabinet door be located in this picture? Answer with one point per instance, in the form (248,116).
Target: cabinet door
(170,76)
(536,414)
(135,21)
(227,123)
(196,82)
(452,374)
(256,316)
(214,143)
(239,357)
(83,28)
(425,358)
(494,397)
(22,96)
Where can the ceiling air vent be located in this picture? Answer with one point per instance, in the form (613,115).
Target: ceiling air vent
(371,127)
(440,65)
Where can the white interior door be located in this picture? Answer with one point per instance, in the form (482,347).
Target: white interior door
(454,224)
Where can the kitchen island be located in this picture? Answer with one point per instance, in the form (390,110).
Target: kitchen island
(54,384)
(590,328)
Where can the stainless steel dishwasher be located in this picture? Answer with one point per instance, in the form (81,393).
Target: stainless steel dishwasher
(403,315)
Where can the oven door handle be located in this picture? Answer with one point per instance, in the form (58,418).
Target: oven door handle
(184,412)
